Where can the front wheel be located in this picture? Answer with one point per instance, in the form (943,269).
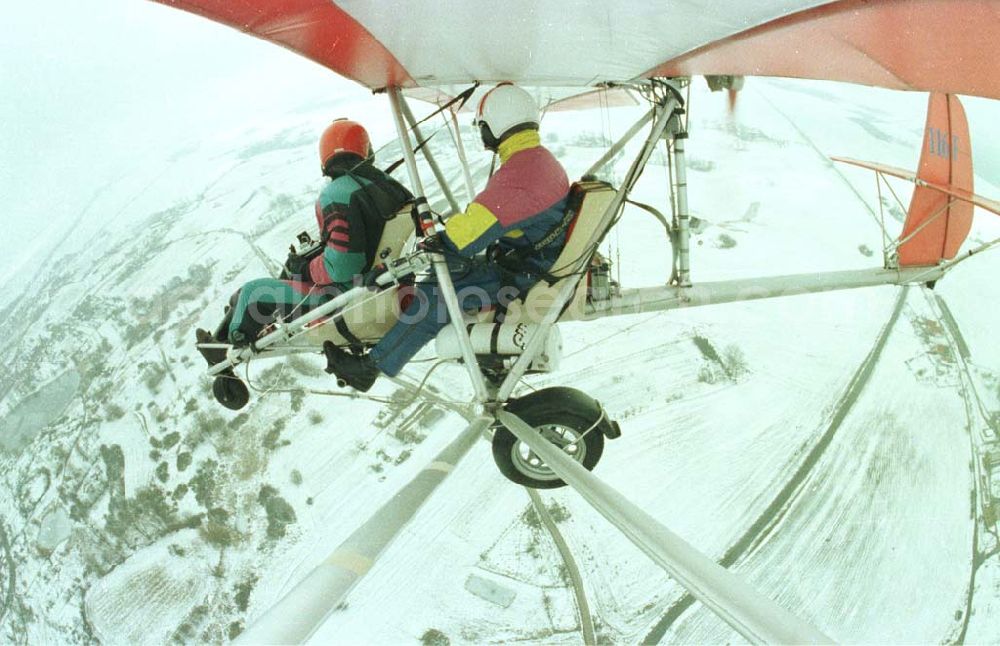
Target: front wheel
(565,417)
(230,391)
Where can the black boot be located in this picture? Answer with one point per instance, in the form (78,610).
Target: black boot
(357,371)
(212,355)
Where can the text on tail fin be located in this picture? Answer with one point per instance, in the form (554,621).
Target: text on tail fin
(937,223)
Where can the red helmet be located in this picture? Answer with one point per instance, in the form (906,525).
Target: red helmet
(343,136)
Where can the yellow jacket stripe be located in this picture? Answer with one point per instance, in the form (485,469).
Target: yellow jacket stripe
(522,201)
(465,228)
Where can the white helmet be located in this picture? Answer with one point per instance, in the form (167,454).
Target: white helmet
(502,109)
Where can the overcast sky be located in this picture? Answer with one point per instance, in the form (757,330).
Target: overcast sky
(88,90)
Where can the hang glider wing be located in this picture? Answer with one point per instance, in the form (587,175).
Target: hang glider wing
(948,46)
(936,45)
(320,30)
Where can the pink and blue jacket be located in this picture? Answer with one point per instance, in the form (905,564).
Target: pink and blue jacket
(523,201)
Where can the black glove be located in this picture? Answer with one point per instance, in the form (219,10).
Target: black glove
(370,280)
(296,268)
(432,244)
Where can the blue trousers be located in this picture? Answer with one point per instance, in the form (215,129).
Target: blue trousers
(478,284)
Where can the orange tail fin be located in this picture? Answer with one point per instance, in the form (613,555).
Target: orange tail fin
(936,223)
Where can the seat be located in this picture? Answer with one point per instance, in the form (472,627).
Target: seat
(373,318)
(574,259)
(395,234)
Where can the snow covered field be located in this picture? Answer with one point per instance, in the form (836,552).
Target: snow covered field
(829,447)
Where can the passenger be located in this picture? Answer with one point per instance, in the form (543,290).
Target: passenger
(522,207)
(351,212)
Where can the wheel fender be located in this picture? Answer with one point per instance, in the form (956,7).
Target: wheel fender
(580,400)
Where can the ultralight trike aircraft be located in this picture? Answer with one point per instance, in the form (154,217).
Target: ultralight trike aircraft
(650,50)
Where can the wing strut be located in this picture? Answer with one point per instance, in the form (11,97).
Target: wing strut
(298,614)
(441,271)
(753,615)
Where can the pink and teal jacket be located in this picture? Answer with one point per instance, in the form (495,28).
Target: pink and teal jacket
(344,254)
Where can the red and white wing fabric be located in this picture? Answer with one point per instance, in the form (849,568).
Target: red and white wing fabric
(320,30)
(945,45)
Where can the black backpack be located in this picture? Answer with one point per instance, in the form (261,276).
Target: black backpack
(372,206)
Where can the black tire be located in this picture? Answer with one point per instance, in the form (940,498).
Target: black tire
(562,413)
(230,391)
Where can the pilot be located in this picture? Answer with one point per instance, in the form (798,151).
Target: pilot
(521,207)
(351,212)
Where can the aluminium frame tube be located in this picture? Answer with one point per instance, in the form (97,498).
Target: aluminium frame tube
(566,290)
(429,156)
(620,144)
(470,188)
(683,215)
(288,330)
(441,272)
(745,609)
(307,606)
(658,299)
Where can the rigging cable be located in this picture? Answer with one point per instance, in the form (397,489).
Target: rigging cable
(618,240)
